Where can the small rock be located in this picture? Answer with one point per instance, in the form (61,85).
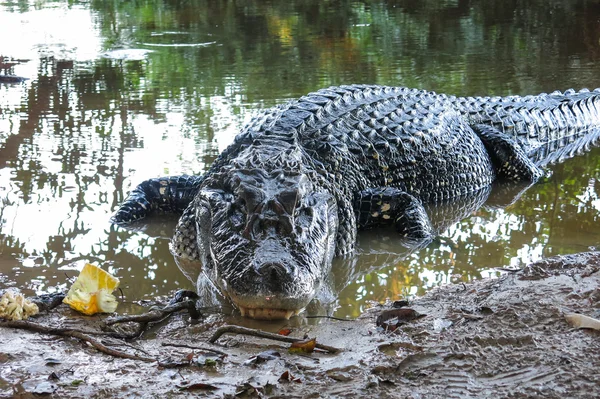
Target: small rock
(440,325)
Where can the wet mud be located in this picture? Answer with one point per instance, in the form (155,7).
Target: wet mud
(502,338)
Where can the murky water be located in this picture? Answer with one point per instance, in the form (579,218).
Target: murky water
(119,92)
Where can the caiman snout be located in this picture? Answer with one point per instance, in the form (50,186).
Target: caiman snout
(274,272)
(273,288)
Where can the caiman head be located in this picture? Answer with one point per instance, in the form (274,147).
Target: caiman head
(266,239)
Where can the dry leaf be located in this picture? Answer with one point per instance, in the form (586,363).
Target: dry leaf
(285,331)
(197,385)
(263,357)
(393,318)
(581,321)
(306,346)
(288,377)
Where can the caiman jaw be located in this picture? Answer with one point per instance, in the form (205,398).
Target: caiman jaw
(267,314)
(266,307)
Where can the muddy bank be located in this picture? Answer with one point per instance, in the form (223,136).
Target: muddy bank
(506,337)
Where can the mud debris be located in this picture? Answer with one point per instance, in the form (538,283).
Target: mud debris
(506,337)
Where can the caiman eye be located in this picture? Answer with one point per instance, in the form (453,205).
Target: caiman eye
(237,218)
(240,204)
(304,216)
(238,213)
(203,211)
(215,198)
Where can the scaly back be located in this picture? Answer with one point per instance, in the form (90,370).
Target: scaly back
(549,127)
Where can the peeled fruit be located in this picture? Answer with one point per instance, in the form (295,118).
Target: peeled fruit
(14,306)
(91,293)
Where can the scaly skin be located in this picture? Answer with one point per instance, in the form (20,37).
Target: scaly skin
(301,179)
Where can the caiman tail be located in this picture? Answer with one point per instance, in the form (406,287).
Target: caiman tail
(549,127)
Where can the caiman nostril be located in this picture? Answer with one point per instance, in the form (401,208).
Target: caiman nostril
(273,270)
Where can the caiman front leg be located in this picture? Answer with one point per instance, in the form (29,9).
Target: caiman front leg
(167,194)
(389,205)
(508,157)
(184,244)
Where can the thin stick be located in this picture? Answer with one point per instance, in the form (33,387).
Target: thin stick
(263,334)
(27,325)
(132,347)
(328,317)
(153,315)
(200,348)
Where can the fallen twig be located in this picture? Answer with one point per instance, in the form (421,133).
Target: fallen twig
(128,345)
(155,315)
(69,332)
(28,325)
(264,334)
(328,317)
(200,348)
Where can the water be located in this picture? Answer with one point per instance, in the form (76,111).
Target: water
(119,92)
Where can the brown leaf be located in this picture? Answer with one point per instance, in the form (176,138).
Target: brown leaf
(400,304)
(469,316)
(306,346)
(340,377)
(486,310)
(285,331)
(247,390)
(197,385)
(288,377)
(171,364)
(391,319)
(392,348)
(51,361)
(263,357)
(54,376)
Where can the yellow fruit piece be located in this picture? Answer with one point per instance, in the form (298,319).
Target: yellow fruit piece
(91,293)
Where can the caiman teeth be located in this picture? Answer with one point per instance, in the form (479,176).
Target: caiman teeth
(268,314)
(291,313)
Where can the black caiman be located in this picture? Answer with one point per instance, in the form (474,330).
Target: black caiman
(302,178)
